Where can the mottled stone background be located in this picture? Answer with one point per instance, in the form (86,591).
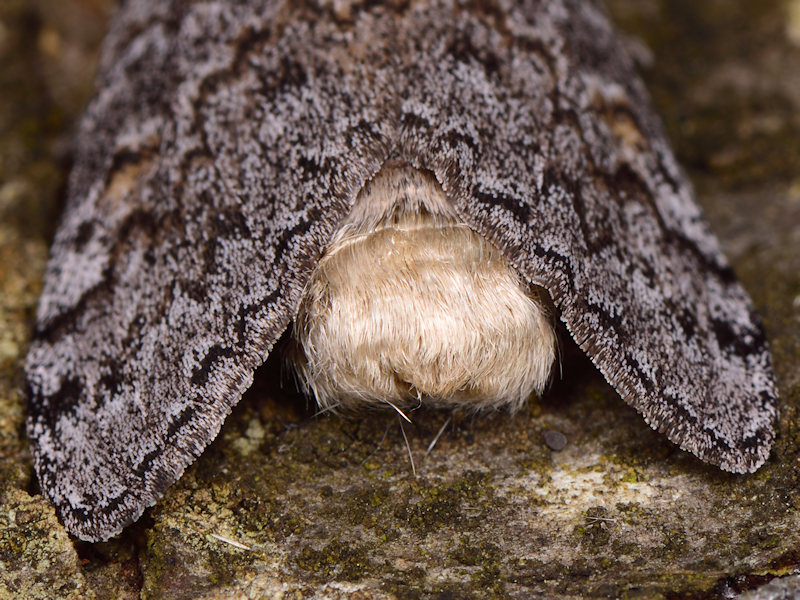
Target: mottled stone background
(285,505)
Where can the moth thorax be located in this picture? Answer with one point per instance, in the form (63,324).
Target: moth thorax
(409,305)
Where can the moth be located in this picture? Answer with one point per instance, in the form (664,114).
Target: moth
(417,188)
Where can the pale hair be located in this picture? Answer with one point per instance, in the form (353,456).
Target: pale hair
(409,305)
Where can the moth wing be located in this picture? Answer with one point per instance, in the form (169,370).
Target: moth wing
(543,135)
(211,168)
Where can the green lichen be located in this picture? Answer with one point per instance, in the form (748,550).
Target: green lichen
(364,506)
(336,561)
(37,558)
(595,531)
(444,506)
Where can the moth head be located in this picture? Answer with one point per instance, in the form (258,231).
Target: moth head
(408,305)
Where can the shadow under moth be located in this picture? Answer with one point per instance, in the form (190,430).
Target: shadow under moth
(418,188)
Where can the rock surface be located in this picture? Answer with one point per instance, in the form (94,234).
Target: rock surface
(285,505)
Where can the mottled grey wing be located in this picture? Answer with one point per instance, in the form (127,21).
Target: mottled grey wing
(223,145)
(539,129)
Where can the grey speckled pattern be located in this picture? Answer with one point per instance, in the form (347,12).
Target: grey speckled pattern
(226,142)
